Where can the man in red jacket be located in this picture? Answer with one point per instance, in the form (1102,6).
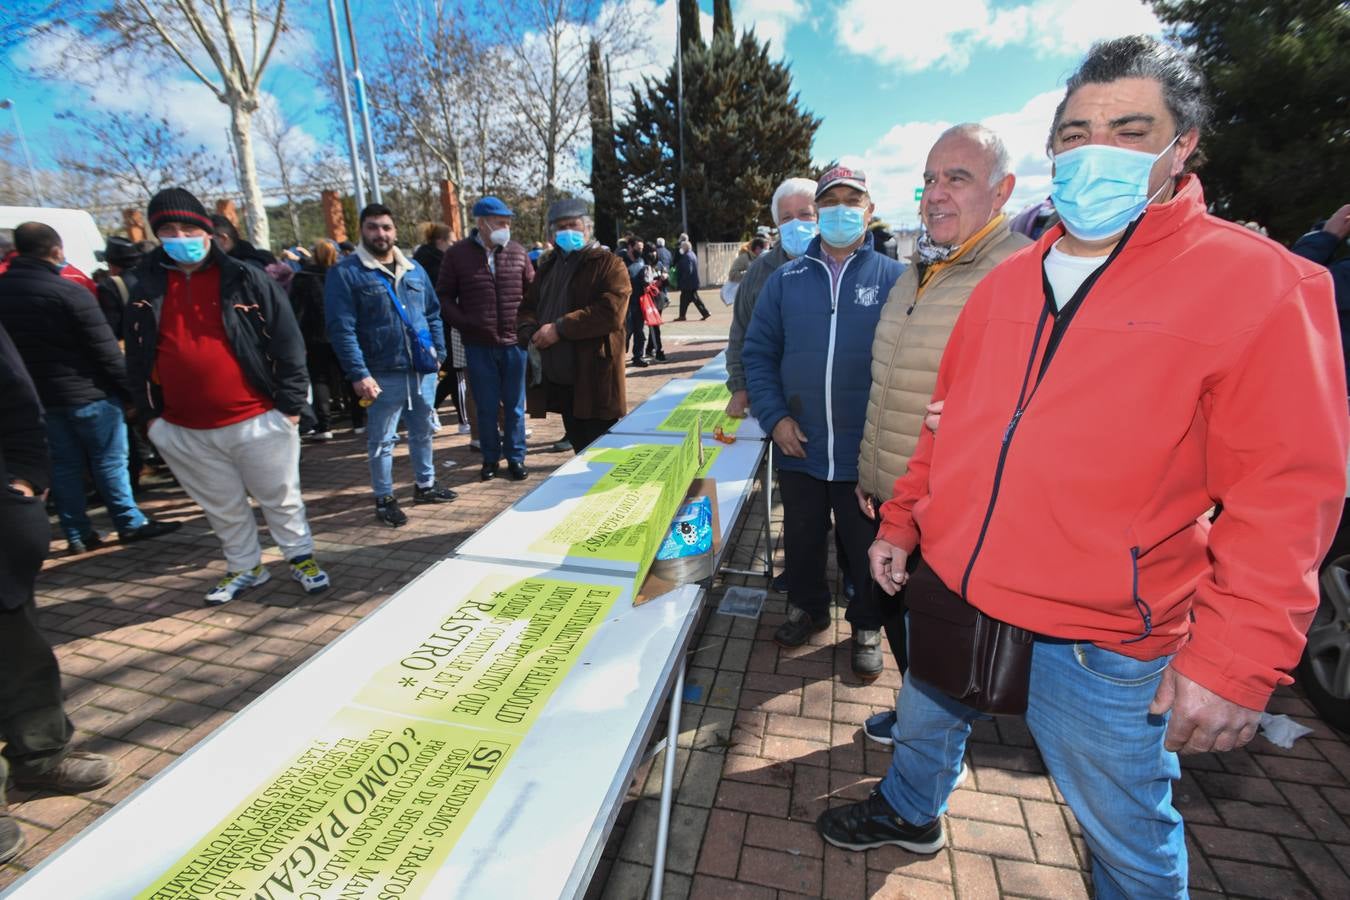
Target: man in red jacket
(1104,388)
(482,280)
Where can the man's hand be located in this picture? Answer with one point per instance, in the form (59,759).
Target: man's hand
(367,388)
(789,437)
(23,487)
(934,416)
(1202,721)
(1339,222)
(865,503)
(887,563)
(739,404)
(546,336)
(294,420)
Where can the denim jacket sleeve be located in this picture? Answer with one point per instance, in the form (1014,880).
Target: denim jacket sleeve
(340,313)
(762,356)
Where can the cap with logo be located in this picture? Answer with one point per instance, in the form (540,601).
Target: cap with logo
(854,178)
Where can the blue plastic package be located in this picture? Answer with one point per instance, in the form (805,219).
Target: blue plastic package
(690,531)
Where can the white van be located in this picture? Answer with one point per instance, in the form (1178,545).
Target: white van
(79,235)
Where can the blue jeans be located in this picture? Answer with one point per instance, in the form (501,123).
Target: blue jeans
(497,376)
(1088,711)
(409,394)
(94,434)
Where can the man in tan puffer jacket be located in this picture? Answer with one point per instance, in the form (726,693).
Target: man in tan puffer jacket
(966,182)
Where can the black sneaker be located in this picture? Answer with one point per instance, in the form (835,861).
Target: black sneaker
(872,823)
(867,663)
(517,471)
(799,627)
(639,363)
(488,472)
(433,494)
(84,543)
(660,356)
(387,511)
(151,529)
(780,582)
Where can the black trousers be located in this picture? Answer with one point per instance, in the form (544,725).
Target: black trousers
(580,432)
(33,721)
(688,296)
(807,505)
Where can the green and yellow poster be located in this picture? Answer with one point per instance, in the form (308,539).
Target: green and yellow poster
(708,401)
(625,514)
(370,809)
(497,656)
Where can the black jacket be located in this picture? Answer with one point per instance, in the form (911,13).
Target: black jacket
(246,252)
(258,323)
(429,257)
(62,336)
(23,439)
(307,304)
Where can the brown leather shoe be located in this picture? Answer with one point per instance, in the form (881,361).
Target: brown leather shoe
(76,773)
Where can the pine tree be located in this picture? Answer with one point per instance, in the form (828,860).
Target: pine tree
(1279,149)
(604,165)
(744,133)
(691,36)
(722,24)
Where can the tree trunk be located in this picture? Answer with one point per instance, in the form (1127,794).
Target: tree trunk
(241,132)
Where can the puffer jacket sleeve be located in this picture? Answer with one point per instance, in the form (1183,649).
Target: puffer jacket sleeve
(763,356)
(286,345)
(747,295)
(339,308)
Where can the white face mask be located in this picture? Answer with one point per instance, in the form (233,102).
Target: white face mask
(500,236)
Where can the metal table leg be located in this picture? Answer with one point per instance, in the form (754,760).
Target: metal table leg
(766,483)
(667,784)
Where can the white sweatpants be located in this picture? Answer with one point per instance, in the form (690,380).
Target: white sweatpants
(221,467)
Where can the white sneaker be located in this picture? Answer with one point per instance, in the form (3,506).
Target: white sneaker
(475,445)
(234,583)
(311,577)
(465,428)
(528,431)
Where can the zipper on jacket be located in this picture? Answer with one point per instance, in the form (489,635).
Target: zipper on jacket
(1062,316)
(1140,605)
(829,362)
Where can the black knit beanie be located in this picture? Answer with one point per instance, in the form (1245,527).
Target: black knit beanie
(177,205)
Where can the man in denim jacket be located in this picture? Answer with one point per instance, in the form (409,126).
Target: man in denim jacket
(375,348)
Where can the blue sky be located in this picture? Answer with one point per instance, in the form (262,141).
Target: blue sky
(886,76)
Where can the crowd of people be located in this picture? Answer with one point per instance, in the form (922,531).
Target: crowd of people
(1048,445)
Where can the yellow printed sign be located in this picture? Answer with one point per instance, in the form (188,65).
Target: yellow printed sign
(708,401)
(497,656)
(625,514)
(370,809)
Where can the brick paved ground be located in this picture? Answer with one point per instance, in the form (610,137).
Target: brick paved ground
(769,737)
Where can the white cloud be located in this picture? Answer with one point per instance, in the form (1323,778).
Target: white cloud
(894,164)
(771,19)
(916,36)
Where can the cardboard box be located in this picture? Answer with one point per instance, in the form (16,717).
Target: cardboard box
(652,586)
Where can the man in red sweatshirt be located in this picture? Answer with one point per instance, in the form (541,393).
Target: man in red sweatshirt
(1104,389)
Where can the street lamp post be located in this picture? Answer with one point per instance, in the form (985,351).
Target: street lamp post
(28,157)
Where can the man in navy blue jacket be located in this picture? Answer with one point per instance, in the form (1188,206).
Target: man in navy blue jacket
(807,361)
(1319,245)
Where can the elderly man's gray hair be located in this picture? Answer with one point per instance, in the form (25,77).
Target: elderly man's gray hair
(792,187)
(1000,166)
(1140,56)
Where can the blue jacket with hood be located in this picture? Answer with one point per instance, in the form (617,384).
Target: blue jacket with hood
(808,354)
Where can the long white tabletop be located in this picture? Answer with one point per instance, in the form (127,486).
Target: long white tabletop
(556,792)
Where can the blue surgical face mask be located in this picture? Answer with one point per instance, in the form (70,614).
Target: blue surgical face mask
(1098,190)
(569,241)
(797,235)
(188,250)
(841,225)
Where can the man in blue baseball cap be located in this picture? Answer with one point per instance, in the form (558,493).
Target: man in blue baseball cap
(481,283)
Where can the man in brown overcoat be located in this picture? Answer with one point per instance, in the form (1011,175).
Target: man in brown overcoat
(572,322)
